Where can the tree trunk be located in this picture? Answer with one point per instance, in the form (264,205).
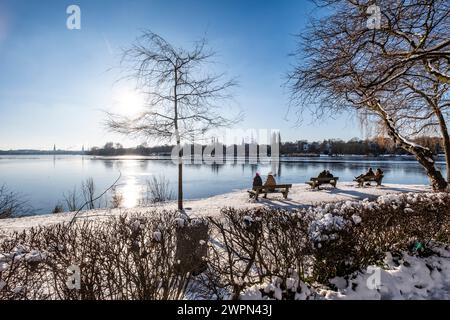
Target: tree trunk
(180,184)
(445,137)
(178,139)
(422,154)
(447,156)
(434,104)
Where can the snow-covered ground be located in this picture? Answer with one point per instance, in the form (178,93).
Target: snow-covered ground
(402,277)
(300,196)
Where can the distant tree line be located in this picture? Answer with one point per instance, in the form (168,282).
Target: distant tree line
(116,149)
(355,146)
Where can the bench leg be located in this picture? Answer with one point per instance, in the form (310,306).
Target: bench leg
(285,194)
(256,195)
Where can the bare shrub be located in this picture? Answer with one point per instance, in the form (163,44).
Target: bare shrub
(88,191)
(71,200)
(116,199)
(129,257)
(141,257)
(370,229)
(157,189)
(59,208)
(91,200)
(11,203)
(255,247)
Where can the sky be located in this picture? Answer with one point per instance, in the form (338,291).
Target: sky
(56,83)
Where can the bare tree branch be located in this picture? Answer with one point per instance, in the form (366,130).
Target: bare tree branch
(394,76)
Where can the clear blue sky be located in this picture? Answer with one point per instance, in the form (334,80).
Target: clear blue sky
(55,82)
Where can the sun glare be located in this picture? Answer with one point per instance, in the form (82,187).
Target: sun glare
(127,101)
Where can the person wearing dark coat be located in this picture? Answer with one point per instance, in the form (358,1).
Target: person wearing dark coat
(369,173)
(378,173)
(323,174)
(257,181)
(270,182)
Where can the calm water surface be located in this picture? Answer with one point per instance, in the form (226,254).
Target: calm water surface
(44,179)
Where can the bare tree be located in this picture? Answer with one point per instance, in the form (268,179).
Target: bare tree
(379,72)
(182,97)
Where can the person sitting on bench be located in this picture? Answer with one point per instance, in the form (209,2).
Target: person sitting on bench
(370,176)
(270,182)
(378,173)
(323,174)
(257,181)
(369,173)
(325,177)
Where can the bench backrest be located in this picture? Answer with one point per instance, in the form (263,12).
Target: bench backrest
(278,186)
(373,177)
(324,179)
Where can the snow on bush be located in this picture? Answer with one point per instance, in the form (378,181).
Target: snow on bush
(263,253)
(335,217)
(293,289)
(319,243)
(141,249)
(402,276)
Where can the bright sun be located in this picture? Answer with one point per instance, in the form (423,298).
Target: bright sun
(127,101)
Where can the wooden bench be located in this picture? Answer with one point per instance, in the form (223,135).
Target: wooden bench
(317,182)
(279,188)
(369,179)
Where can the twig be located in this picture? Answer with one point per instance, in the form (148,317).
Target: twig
(87,202)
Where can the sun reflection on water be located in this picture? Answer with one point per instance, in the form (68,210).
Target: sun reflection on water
(131,192)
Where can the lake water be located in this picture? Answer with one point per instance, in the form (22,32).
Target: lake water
(44,179)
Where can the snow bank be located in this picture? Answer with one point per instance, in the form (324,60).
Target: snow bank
(300,196)
(402,277)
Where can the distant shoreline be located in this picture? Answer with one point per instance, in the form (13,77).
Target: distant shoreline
(40,153)
(283,158)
